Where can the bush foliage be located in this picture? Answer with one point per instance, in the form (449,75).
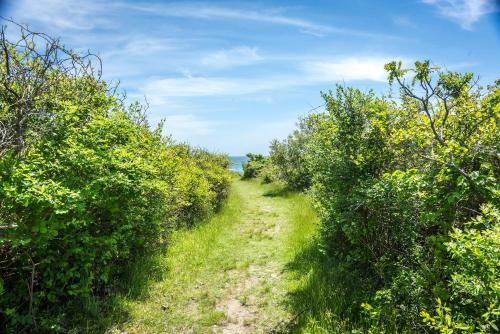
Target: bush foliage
(259,166)
(407,190)
(289,157)
(91,186)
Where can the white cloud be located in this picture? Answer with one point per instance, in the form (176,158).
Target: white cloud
(87,15)
(311,72)
(198,86)
(141,47)
(204,11)
(148,45)
(351,68)
(239,56)
(60,14)
(464,12)
(163,89)
(184,126)
(138,57)
(207,11)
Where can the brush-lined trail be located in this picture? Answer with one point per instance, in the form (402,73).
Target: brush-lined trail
(232,274)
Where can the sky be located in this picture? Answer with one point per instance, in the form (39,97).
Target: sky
(231,76)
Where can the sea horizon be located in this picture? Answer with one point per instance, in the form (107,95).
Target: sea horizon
(237,162)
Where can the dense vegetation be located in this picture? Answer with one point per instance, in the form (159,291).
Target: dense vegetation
(406,189)
(259,166)
(408,193)
(85,183)
(289,158)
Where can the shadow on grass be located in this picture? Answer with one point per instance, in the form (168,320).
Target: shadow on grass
(271,189)
(97,314)
(278,190)
(328,297)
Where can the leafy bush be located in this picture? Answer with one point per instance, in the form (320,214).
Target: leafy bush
(408,194)
(289,159)
(474,288)
(259,166)
(255,166)
(83,193)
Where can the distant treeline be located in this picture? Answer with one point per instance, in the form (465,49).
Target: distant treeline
(407,189)
(85,183)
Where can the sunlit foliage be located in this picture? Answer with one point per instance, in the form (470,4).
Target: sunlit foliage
(408,193)
(85,184)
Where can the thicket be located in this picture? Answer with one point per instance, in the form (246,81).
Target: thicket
(259,166)
(408,193)
(288,157)
(287,161)
(85,182)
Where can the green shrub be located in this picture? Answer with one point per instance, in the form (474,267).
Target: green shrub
(87,192)
(254,166)
(290,160)
(474,287)
(259,166)
(408,195)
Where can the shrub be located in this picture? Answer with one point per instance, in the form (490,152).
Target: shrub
(290,160)
(254,166)
(408,195)
(474,288)
(83,194)
(259,166)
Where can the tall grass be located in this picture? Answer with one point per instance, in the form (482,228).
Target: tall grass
(321,290)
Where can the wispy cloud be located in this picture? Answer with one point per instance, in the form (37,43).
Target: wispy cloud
(269,16)
(258,137)
(238,56)
(183,126)
(348,69)
(206,11)
(211,86)
(403,21)
(464,12)
(147,45)
(308,73)
(182,87)
(61,14)
(87,15)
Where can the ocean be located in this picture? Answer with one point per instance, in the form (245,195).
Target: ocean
(237,164)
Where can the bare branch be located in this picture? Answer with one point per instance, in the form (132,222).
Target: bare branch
(32,67)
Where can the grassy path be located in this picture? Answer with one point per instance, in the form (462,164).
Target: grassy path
(227,275)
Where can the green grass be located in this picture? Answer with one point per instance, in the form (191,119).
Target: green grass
(255,266)
(311,296)
(320,292)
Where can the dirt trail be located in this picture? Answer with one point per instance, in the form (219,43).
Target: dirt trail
(225,276)
(263,218)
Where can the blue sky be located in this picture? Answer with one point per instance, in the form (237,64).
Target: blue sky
(231,76)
